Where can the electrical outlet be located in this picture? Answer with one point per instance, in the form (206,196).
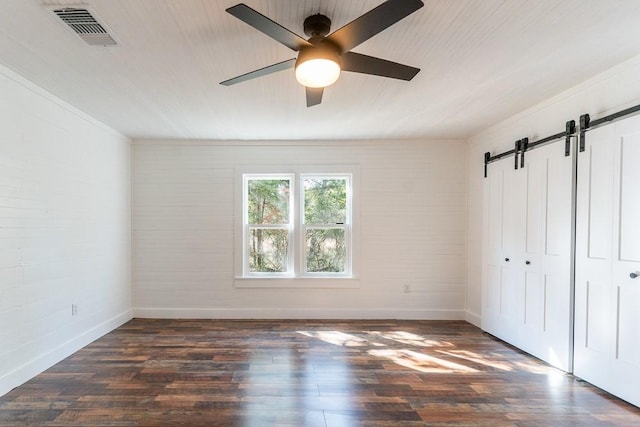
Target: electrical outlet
(406,288)
(74,309)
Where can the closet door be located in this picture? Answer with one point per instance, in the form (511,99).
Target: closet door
(503,209)
(526,282)
(546,319)
(607,336)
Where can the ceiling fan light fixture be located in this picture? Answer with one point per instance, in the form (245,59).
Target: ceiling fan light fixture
(317,67)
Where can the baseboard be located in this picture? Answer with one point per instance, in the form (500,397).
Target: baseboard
(42,362)
(473,318)
(295,313)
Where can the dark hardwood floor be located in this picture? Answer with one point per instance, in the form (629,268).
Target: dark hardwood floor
(306,373)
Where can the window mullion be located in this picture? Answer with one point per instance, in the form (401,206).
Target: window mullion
(298,228)
(293,227)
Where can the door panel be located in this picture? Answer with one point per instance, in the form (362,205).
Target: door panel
(549,271)
(628,327)
(508,293)
(533,303)
(625,290)
(597,317)
(629,205)
(536,178)
(494,289)
(494,213)
(599,195)
(593,256)
(557,194)
(500,279)
(607,315)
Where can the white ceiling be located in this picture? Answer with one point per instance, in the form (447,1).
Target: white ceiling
(481,61)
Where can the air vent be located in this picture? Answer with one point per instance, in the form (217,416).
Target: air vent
(85,25)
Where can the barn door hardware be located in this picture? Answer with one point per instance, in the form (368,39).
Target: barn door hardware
(584,125)
(570,130)
(487,158)
(523,145)
(587,124)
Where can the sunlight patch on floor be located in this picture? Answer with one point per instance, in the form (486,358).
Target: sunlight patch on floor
(337,338)
(381,344)
(420,361)
(476,358)
(409,338)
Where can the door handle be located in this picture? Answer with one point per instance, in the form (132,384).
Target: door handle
(507,259)
(633,275)
(527,262)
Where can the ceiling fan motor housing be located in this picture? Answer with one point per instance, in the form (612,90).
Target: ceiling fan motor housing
(317,25)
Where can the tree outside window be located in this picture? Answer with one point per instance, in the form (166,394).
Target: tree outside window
(297,234)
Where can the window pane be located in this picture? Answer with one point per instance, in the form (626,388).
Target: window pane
(325,250)
(325,201)
(267,250)
(268,201)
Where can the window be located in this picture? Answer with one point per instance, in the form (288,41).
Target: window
(297,225)
(325,224)
(268,224)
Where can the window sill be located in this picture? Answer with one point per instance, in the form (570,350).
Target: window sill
(298,282)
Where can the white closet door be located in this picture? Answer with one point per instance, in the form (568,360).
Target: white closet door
(607,344)
(527,289)
(546,319)
(594,237)
(503,210)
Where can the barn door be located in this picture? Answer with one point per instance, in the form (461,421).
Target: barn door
(526,283)
(503,238)
(546,319)
(607,336)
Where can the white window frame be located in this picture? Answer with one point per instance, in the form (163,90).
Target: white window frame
(247,227)
(303,227)
(296,276)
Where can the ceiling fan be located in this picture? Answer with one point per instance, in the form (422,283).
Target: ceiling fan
(322,57)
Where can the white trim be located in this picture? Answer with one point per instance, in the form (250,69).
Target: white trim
(296,313)
(322,282)
(288,143)
(44,361)
(293,278)
(246,227)
(473,318)
(345,226)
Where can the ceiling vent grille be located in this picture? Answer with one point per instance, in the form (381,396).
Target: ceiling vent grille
(85,25)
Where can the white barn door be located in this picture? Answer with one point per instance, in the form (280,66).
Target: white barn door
(546,320)
(502,239)
(607,306)
(527,248)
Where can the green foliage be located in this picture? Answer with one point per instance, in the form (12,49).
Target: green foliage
(325,201)
(268,204)
(268,250)
(326,252)
(325,204)
(269,201)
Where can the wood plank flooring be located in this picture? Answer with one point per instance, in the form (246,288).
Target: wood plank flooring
(306,373)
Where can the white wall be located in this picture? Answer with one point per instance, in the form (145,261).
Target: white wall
(412,230)
(64,230)
(611,91)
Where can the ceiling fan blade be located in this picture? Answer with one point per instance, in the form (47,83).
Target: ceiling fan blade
(284,65)
(268,27)
(365,64)
(314,96)
(373,22)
